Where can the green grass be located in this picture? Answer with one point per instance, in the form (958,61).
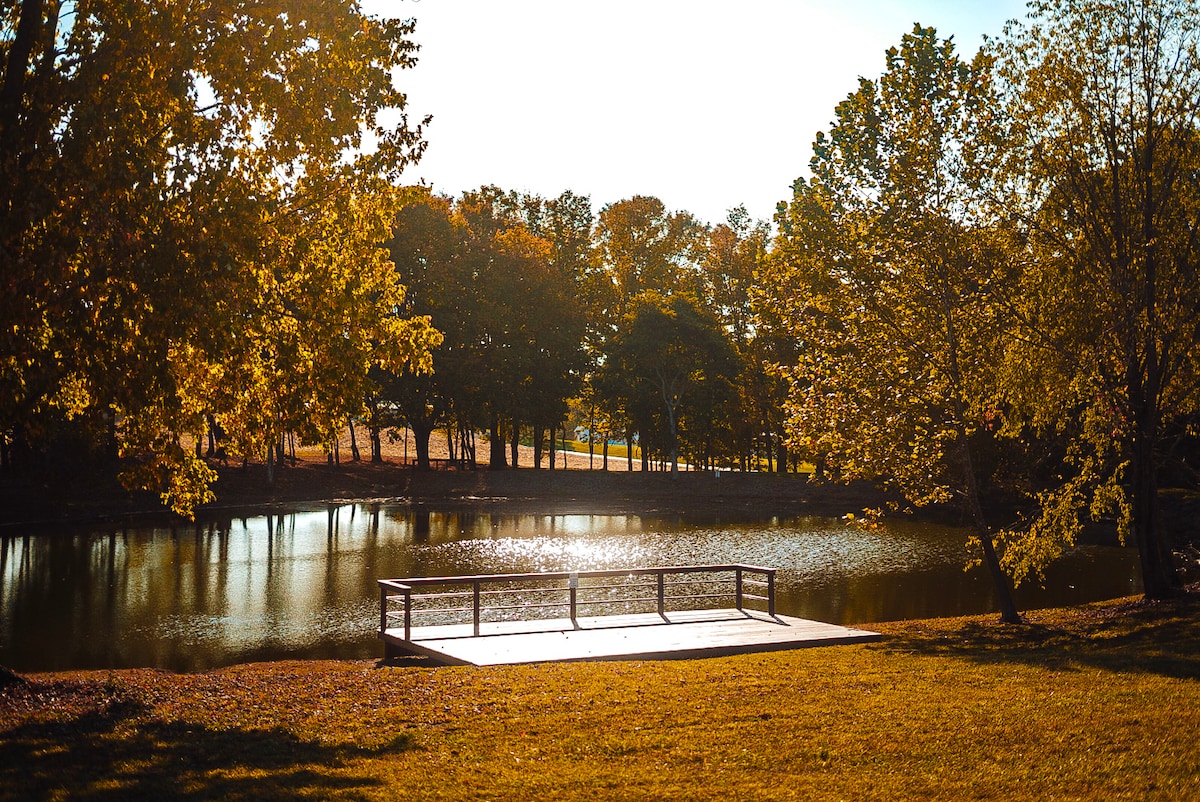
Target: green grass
(1095,703)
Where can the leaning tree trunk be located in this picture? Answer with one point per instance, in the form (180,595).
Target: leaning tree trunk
(1004,599)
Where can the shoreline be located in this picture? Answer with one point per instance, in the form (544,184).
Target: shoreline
(1099,700)
(243,491)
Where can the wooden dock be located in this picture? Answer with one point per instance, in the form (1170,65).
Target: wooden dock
(667,631)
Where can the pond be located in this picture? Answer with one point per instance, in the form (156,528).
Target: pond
(302,584)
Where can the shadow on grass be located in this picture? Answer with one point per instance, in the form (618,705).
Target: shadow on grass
(1134,637)
(119,752)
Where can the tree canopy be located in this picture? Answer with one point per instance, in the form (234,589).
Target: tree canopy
(889,279)
(192,199)
(1098,174)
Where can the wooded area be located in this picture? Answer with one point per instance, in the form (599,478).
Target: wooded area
(986,291)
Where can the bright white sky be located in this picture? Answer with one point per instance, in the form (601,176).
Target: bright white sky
(704,104)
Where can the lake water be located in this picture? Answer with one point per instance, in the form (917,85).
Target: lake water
(302,585)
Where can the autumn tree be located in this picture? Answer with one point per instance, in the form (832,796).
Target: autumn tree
(642,247)
(885,287)
(639,247)
(533,253)
(730,272)
(502,295)
(190,207)
(428,249)
(1098,171)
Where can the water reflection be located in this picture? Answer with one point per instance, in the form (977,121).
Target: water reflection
(303,584)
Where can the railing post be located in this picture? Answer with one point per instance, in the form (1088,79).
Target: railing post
(573,587)
(383,600)
(662,596)
(475,604)
(771,593)
(408,613)
(737,572)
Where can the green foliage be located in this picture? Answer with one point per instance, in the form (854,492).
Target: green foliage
(667,358)
(1005,249)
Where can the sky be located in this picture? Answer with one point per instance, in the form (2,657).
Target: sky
(704,104)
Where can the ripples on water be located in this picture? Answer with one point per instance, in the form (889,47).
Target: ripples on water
(303,585)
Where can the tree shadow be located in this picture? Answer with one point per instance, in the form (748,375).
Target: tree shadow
(120,752)
(1145,637)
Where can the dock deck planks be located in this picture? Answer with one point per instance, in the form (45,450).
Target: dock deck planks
(648,636)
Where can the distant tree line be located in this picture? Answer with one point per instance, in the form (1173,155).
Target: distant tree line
(635,323)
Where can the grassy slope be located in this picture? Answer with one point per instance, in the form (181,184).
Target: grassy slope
(1095,703)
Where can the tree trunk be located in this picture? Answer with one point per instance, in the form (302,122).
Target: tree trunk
(604,464)
(376,443)
(496,460)
(1008,609)
(422,431)
(515,446)
(628,451)
(537,446)
(354,454)
(553,432)
(1160,580)
(12,93)
(469,446)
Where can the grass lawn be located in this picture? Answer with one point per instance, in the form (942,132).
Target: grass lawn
(1098,702)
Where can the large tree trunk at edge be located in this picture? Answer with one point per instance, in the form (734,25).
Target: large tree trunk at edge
(1160,580)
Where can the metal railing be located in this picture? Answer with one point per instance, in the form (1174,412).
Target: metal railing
(569,591)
